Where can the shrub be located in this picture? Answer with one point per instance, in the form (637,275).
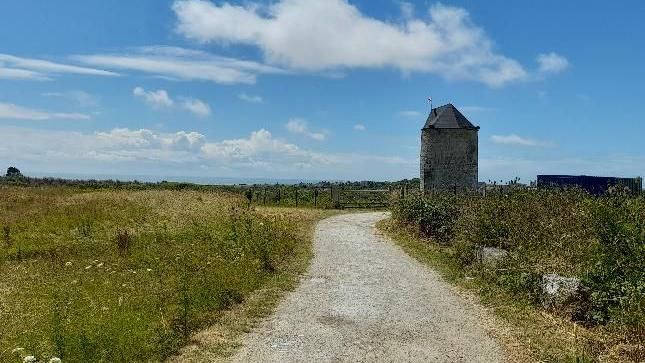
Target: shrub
(12,171)
(435,216)
(616,281)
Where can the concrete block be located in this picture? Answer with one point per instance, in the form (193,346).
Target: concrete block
(491,255)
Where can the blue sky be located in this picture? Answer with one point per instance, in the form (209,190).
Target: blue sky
(317,89)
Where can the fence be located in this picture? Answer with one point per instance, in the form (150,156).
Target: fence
(321,197)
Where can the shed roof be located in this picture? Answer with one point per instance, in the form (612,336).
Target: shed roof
(448,117)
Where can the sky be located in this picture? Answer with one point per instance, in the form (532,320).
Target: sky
(318,90)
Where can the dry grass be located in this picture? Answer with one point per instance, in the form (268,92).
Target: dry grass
(133,275)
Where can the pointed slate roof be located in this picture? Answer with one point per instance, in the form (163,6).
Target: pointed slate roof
(448,117)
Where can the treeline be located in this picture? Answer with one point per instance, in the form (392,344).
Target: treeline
(267,194)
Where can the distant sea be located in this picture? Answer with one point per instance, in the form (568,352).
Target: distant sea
(181,179)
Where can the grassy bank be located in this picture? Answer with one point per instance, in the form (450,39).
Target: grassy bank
(131,275)
(599,240)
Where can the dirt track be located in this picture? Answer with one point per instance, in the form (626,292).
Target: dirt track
(365,300)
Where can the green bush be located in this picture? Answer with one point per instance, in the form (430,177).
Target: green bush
(435,216)
(616,281)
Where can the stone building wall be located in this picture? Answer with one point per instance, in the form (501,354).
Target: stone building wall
(449,159)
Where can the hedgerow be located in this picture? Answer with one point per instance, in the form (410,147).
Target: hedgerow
(600,240)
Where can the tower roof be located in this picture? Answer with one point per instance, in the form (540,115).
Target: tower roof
(448,117)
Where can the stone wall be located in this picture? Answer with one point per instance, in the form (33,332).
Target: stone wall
(449,159)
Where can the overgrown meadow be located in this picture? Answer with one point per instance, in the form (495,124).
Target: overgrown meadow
(126,276)
(600,240)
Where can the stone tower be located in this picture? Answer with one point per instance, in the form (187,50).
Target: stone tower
(449,148)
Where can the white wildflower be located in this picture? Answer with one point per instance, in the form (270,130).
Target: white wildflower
(68,263)
(148,269)
(55,360)
(30,359)
(261,223)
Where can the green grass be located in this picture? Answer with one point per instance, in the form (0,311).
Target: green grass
(133,275)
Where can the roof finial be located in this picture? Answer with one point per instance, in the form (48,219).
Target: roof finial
(430,99)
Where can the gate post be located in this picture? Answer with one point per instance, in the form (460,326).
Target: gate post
(335,197)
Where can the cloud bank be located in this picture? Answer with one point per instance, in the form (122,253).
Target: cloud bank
(258,154)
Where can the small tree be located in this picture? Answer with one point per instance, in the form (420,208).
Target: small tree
(13,171)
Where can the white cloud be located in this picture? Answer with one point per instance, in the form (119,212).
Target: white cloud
(197,107)
(410,114)
(21,74)
(14,112)
(82,98)
(552,63)
(156,99)
(476,109)
(250,98)
(516,140)
(161,99)
(38,69)
(407,9)
(360,127)
(300,126)
(317,35)
(181,64)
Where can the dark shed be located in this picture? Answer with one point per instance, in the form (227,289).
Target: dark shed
(596,185)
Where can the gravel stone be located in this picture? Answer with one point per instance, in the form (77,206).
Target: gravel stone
(365,300)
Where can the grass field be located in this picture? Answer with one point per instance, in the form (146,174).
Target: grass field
(131,275)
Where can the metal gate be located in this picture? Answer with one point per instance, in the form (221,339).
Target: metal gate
(360,198)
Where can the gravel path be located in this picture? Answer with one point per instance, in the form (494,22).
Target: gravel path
(365,300)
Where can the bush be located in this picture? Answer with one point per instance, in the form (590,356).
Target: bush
(12,171)
(435,216)
(616,281)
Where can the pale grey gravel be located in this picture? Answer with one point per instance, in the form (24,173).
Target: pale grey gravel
(365,300)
